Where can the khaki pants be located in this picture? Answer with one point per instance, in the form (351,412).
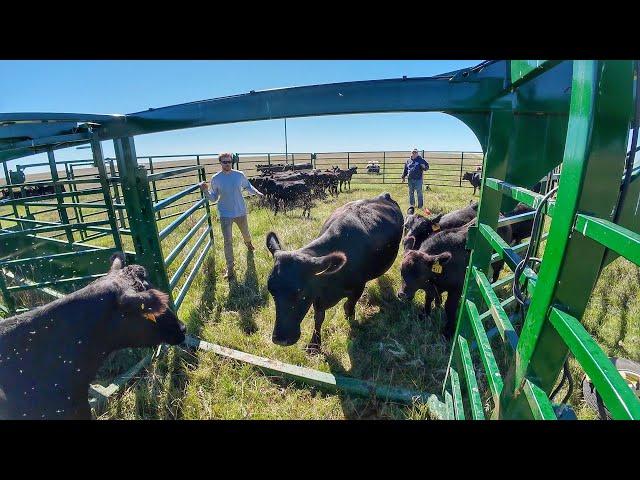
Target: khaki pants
(225,225)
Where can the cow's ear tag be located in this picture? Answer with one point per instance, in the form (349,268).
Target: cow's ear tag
(436,268)
(435,227)
(150,316)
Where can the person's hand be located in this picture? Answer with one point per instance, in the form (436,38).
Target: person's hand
(402,179)
(204,187)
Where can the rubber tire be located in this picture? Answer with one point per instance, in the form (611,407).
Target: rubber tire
(592,397)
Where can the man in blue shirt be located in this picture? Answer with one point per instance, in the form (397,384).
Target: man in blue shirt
(413,169)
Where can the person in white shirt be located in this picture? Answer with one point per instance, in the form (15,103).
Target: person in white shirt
(226,188)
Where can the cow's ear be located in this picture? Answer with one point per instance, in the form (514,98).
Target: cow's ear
(409,242)
(150,301)
(118,261)
(273,244)
(329,264)
(410,210)
(443,258)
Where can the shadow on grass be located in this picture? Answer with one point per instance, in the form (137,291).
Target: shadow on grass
(247,297)
(393,347)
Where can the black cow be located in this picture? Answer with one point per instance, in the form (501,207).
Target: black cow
(439,265)
(475,179)
(49,355)
(420,228)
(344,176)
(357,243)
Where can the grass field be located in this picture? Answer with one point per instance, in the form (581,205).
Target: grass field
(387,343)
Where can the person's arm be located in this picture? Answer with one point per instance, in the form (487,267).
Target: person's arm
(246,185)
(210,194)
(404,172)
(426,164)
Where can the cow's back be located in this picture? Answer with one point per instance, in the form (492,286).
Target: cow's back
(368,232)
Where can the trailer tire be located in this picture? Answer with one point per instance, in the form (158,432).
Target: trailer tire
(628,368)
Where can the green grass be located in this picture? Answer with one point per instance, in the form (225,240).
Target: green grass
(387,343)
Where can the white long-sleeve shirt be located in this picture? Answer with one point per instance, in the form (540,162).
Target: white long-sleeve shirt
(227,189)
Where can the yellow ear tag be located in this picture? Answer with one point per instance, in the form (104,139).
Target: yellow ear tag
(150,316)
(435,227)
(436,268)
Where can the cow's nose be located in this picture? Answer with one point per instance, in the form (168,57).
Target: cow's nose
(283,342)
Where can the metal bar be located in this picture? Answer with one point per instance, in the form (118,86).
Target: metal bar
(324,379)
(56,282)
(55,256)
(62,211)
(470,377)
(505,252)
(51,228)
(76,199)
(192,275)
(539,403)
(112,180)
(169,200)
(448,400)
(500,317)
(619,239)
(172,173)
(185,263)
(616,394)
(521,194)
(494,379)
(171,227)
(457,394)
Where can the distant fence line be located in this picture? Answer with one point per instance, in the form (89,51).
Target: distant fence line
(446,168)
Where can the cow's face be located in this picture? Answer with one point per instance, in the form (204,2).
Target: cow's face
(293,281)
(417,269)
(142,317)
(467,176)
(420,227)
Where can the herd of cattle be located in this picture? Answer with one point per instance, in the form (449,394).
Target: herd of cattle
(29,191)
(287,189)
(49,355)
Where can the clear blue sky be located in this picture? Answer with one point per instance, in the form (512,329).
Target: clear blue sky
(130,86)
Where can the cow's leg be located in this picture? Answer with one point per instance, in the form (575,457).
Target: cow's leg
(350,304)
(450,310)
(430,294)
(313,346)
(497,268)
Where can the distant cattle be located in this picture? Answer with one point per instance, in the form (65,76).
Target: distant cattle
(344,176)
(474,178)
(49,355)
(357,243)
(29,191)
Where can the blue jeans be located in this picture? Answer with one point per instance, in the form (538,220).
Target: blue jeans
(415,186)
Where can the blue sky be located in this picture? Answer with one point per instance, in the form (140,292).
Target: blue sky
(130,86)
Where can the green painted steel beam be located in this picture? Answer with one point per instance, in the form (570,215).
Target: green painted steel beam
(178,221)
(180,246)
(470,378)
(154,177)
(494,379)
(192,275)
(325,380)
(619,239)
(505,252)
(173,198)
(539,403)
(448,401)
(616,394)
(500,317)
(458,404)
(525,70)
(524,195)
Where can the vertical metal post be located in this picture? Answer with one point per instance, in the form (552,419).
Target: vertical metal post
(348,162)
(96,148)
(461,163)
(202,173)
(62,211)
(76,198)
(7,179)
(153,186)
(269,158)
(286,148)
(112,171)
(293,159)
(384,166)
(142,222)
